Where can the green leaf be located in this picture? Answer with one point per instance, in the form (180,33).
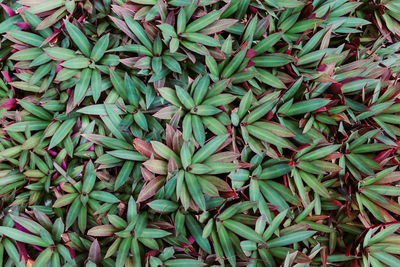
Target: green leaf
(82,86)
(141,120)
(261,111)
(65,200)
(267,136)
(290,239)
(226,244)
(100,48)
(218,26)
(198,130)
(27,37)
(89,178)
(302,26)
(164,151)
(383,234)
(27,54)
(385,189)
(271,61)
(25,86)
(118,83)
(267,43)
(201,90)
(375,211)
(153,233)
(203,22)
(104,196)
(359,163)
(73,212)
(201,39)
(76,63)
(124,174)
(96,85)
(168,30)
(45,6)
(127,155)
(123,251)
(30,225)
(102,230)
(243,230)
(234,64)
(307,106)
(386,258)
(181,21)
(209,149)
(274,225)
(315,184)
(195,191)
(172,64)
(22,237)
(138,30)
(117,222)
(245,104)
(170,95)
(62,132)
(52,19)
(184,97)
(196,231)
(268,78)
(78,38)
(43,258)
(319,153)
(163,206)
(183,263)
(35,110)
(275,171)
(60,53)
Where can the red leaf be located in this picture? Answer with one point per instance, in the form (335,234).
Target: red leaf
(9,104)
(250,53)
(143,148)
(150,188)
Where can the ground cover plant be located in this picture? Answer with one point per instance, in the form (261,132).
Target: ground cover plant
(199,133)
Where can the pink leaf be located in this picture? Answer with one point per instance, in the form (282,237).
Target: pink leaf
(23,25)
(6,76)
(8,10)
(9,104)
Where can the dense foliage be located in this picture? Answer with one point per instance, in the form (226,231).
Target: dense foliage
(199,133)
